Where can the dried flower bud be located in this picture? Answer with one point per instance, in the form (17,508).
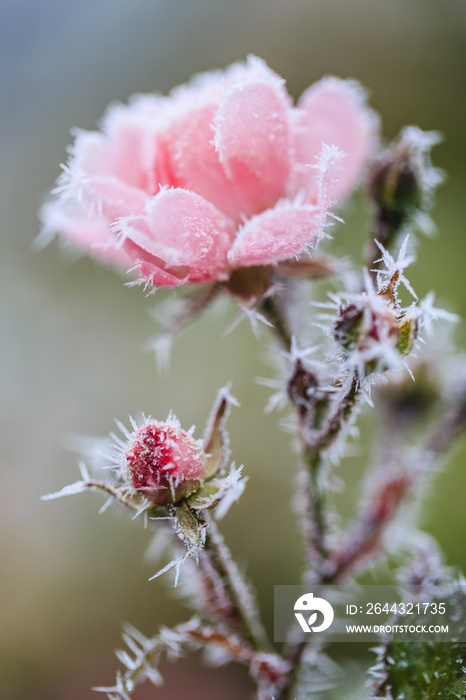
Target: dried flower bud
(403,178)
(347,328)
(165,462)
(301,387)
(368,331)
(402,184)
(394,186)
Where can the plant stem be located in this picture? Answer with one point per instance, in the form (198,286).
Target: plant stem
(240,597)
(274,314)
(313,448)
(400,481)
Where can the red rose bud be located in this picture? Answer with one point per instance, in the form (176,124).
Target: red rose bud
(165,462)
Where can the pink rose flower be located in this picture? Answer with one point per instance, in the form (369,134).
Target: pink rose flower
(225,173)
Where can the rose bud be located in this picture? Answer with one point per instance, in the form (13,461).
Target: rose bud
(166,463)
(402,182)
(367,330)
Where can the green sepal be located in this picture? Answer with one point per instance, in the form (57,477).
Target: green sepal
(189,527)
(216,441)
(207,496)
(408,331)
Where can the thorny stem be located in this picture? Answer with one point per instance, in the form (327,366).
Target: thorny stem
(316,534)
(272,311)
(339,418)
(240,597)
(148,659)
(119,493)
(313,456)
(266,668)
(294,656)
(313,448)
(449,427)
(385,228)
(385,504)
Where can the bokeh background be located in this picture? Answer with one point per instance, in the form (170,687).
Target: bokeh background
(71,333)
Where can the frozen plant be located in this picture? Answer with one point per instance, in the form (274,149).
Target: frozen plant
(228,187)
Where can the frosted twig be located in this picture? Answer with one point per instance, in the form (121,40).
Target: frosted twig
(233,585)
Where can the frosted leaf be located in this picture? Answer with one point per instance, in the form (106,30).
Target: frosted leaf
(216,440)
(233,487)
(70,490)
(430,313)
(296,353)
(252,315)
(395,267)
(279,399)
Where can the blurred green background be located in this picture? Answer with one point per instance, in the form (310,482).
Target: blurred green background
(71,333)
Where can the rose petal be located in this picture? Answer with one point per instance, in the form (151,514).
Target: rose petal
(276,234)
(102,196)
(193,162)
(157,276)
(334,112)
(89,234)
(132,147)
(129,148)
(289,228)
(252,136)
(180,229)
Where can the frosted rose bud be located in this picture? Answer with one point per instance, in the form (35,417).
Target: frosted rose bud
(368,330)
(347,328)
(403,179)
(165,462)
